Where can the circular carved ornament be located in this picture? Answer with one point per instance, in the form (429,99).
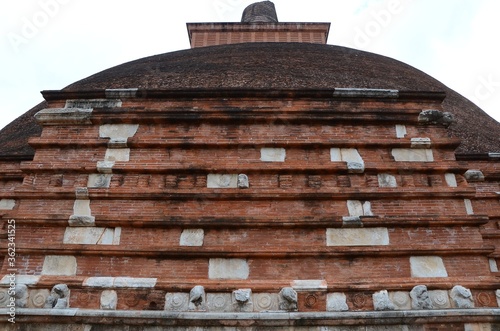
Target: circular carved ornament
(484,299)
(359,300)
(311,301)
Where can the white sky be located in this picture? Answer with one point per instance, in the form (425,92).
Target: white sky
(49,44)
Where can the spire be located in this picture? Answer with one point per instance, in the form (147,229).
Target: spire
(259,23)
(260,12)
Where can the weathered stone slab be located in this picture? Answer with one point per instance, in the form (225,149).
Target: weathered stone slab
(99,180)
(243,181)
(117,154)
(451,179)
(336,302)
(118,132)
(440,299)
(90,236)
(497,294)
(365,93)
(401,300)
(109,300)
(105,167)
(219,268)
(121,93)
(177,301)
(427,266)
(197,299)
(434,116)
(357,237)
(355,208)
(219,302)
(59,265)
(386,180)
(355,163)
(37,298)
(493,265)
(473,175)
(131,282)
(420,298)
(265,301)
(272,154)
(64,116)
(21,279)
(7,204)
(93,103)
(479,327)
(100,282)
(79,220)
(222,181)
(309,285)
(192,237)
(468,207)
(420,143)
(400,131)
(412,155)
(82,208)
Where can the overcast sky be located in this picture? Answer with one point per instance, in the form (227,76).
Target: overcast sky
(49,44)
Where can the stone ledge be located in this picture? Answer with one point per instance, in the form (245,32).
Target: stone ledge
(271,318)
(64,116)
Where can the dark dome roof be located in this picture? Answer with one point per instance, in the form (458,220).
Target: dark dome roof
(284,66)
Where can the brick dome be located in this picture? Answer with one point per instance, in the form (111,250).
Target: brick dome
(274,66)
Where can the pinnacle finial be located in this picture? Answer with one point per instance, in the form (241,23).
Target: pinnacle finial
(260,12)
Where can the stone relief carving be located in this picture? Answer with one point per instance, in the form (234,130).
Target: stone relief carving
(381,301)
(288,299)
(461,297)
(420,298)
(59,297)
(197,298)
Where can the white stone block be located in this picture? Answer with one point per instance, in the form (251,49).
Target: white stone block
(38,298)
(386,180)
(117,131)
(99,180)
(93,103)
(451,179)
(117,93)
(82,208)
(367,208)
(79,220)
(440,299)
(117,154)
(427,267)
(401,300)
(336,302)
(192,237)
(265,301)
(309,285)
(468,207)
(64,116)
(355,163)
(100,282)
(420,143)
(219,302)
(412,155)
(219,268)
(355,208)
(7,204)
(493,265)
(85,236)
(176,301)
(131,282)
(117,236)
(59,265)
(272,154)
(222,180)
(357,237)
(400,131)
(109,299)
(497,294)
(105,167)
(21,279)
(335,155)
